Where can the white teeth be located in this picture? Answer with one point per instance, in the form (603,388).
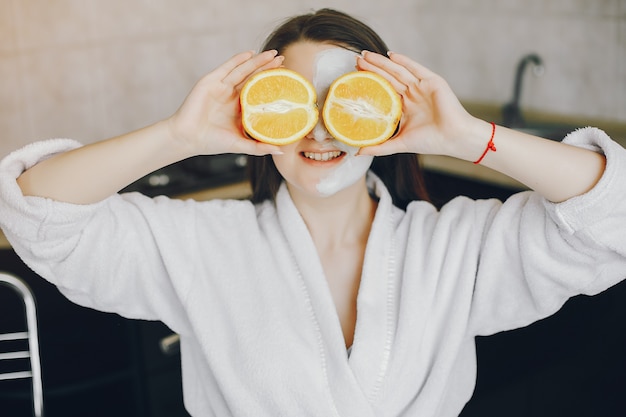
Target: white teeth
(324,156)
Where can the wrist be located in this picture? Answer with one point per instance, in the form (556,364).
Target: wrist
(473,142)
(491,147)
(176,141)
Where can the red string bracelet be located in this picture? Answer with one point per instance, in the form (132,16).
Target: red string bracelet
(490,144)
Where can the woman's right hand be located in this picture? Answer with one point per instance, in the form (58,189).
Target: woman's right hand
(207,123)
(209,120)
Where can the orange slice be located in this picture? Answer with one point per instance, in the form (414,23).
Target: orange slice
(362,109)
(278,106)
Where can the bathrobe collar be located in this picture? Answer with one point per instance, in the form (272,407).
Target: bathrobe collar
(354,382)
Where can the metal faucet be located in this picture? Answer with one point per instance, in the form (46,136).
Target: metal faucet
(511,114)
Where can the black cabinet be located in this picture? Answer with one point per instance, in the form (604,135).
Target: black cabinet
(93,363)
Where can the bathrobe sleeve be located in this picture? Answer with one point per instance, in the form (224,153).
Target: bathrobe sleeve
(536,254)
(104,256)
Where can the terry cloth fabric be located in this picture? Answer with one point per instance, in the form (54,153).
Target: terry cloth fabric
(244,288)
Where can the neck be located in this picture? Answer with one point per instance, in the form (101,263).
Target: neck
(343,218)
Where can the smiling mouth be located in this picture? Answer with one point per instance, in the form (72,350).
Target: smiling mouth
(322,156)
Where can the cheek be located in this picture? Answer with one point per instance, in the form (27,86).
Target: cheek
(282,163)
(287,162)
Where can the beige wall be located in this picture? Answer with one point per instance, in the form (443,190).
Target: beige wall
(90,69)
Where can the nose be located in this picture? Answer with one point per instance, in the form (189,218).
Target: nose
(319,132)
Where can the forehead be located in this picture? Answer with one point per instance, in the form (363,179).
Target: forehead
(308,58)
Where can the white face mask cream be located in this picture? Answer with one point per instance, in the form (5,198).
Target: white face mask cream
(330,64)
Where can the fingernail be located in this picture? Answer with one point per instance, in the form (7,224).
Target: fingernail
(389,53)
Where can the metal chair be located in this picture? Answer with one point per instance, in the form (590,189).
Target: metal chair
(31,335)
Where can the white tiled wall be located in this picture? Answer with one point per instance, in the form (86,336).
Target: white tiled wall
(90,69)
(477,44)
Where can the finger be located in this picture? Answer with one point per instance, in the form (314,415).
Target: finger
(266,149)
(415,68)
(232,63)
(254,147)
(274,63)
(242,71)
(397,71)
(366,66)
(392,146)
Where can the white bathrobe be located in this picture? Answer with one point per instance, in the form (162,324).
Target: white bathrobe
(244,286)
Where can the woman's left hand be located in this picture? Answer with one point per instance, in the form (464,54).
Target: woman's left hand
(433,120)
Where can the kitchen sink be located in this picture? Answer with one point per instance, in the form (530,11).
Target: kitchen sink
(511,113)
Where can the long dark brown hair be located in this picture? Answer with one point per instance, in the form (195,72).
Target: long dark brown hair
(401,173)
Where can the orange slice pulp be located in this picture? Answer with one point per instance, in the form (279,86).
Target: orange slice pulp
(362,109)
(278,106)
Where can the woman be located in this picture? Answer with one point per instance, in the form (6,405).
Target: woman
(330,294)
